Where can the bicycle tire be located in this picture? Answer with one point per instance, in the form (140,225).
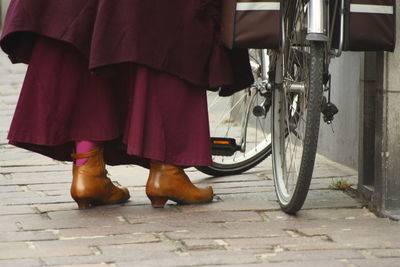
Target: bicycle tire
(295,113)
(243,161)
(217,169)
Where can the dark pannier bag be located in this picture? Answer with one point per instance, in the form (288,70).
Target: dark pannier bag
(370,25)
(251,23)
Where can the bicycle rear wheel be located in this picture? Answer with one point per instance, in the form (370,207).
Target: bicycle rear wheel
(243,120)
(296,111)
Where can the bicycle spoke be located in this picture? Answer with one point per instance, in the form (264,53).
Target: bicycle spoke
(225,120)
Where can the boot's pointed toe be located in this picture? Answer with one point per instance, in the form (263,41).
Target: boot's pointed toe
(90,184)
(169,182)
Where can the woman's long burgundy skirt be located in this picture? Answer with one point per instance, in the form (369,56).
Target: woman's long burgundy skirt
(140,113)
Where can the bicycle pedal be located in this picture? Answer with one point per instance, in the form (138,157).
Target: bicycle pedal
(224,146)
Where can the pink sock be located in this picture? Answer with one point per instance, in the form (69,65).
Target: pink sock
(84,147)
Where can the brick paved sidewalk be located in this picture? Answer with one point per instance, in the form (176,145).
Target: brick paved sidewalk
(41,226)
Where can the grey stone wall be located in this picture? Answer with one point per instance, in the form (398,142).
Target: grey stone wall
(387,145)
(339,141)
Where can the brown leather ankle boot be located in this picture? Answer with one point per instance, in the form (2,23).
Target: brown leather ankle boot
(90,184)
(170,182)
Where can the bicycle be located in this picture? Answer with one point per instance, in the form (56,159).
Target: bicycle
(289,92)
(241,136)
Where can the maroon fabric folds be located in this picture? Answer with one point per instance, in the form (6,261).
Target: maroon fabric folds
(179,37)
(141,113)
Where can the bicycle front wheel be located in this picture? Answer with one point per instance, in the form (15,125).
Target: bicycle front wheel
(244,120)
(296,111)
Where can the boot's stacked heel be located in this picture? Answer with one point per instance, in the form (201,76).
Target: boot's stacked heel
(169,182)
(90,184)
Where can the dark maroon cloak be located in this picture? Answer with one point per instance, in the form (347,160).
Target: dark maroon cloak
(179,37)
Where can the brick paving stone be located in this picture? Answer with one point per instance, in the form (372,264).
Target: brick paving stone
(385,253)
(55,207)
(20,158)
(114,211)
(65,192)
(318,199)
(126,238)
(3,122)
(128,258)
(14,210)
(347,228)
(322,214)
(27,236)
(262,198)
(49,187)
(10,188)
(299,244)
(36,169)
(176,232)
(204,244)
(6,89)
(99,240)
(241,184)
(37,200)
(240,190)
(136,250)
(166,261)
(355,235)
(78,260)
(10,222)
(140,200)
(228,230)
(197,258)
(280,243)
(325,183)
(119,253)
(20,262)
(46,176)
(330,173)
(37,178)
(253,244)
(31,250)
(318,263)
(9,99)
(8,227)
(129,175)
(3,139)
(226,180)
(236,205)
(222,257)
(8,197)
(198,217)
(76,221)
(10,78)
(388,262)
(3,177)
(13,245)
(96,230)
(285,256)
(88,265)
